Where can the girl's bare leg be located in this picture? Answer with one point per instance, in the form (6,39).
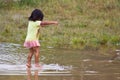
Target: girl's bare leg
(30,57)
(36,49)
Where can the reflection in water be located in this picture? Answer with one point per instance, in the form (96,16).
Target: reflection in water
(29,74)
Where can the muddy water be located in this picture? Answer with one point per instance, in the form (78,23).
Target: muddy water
(57,64)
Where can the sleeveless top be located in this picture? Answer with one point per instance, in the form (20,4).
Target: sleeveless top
(33,31)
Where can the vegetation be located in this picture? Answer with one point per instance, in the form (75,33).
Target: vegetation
(82,23)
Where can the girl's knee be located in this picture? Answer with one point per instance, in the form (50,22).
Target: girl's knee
(36,49)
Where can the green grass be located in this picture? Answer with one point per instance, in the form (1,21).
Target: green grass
(82,23)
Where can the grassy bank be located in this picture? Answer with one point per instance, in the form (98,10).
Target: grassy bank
(82,23)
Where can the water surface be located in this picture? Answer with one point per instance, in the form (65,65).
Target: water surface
(57,64)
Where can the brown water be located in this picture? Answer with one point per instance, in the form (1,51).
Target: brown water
(57,64)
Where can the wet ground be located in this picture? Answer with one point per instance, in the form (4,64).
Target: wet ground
(57,64)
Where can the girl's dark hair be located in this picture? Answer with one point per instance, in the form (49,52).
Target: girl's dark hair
(36,15)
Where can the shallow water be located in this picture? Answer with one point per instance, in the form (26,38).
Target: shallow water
(57,64)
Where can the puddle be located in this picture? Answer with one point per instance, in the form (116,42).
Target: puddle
(57,64)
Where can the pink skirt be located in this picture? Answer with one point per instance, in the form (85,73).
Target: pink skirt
(30,44)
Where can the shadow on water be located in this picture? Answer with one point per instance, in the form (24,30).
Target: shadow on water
(57,64)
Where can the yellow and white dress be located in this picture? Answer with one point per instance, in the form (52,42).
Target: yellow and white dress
(33,31)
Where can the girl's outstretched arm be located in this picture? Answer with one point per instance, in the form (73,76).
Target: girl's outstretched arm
(44,23)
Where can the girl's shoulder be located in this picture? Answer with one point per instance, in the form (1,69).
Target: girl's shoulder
(35,22)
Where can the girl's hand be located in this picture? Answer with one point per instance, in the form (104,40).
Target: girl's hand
(56,22)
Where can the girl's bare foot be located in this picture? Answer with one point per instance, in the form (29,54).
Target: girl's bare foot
(37,65)
(28,65)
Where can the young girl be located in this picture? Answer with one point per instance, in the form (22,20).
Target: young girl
(32,38)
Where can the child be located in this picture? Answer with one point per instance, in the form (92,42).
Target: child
(32,39)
